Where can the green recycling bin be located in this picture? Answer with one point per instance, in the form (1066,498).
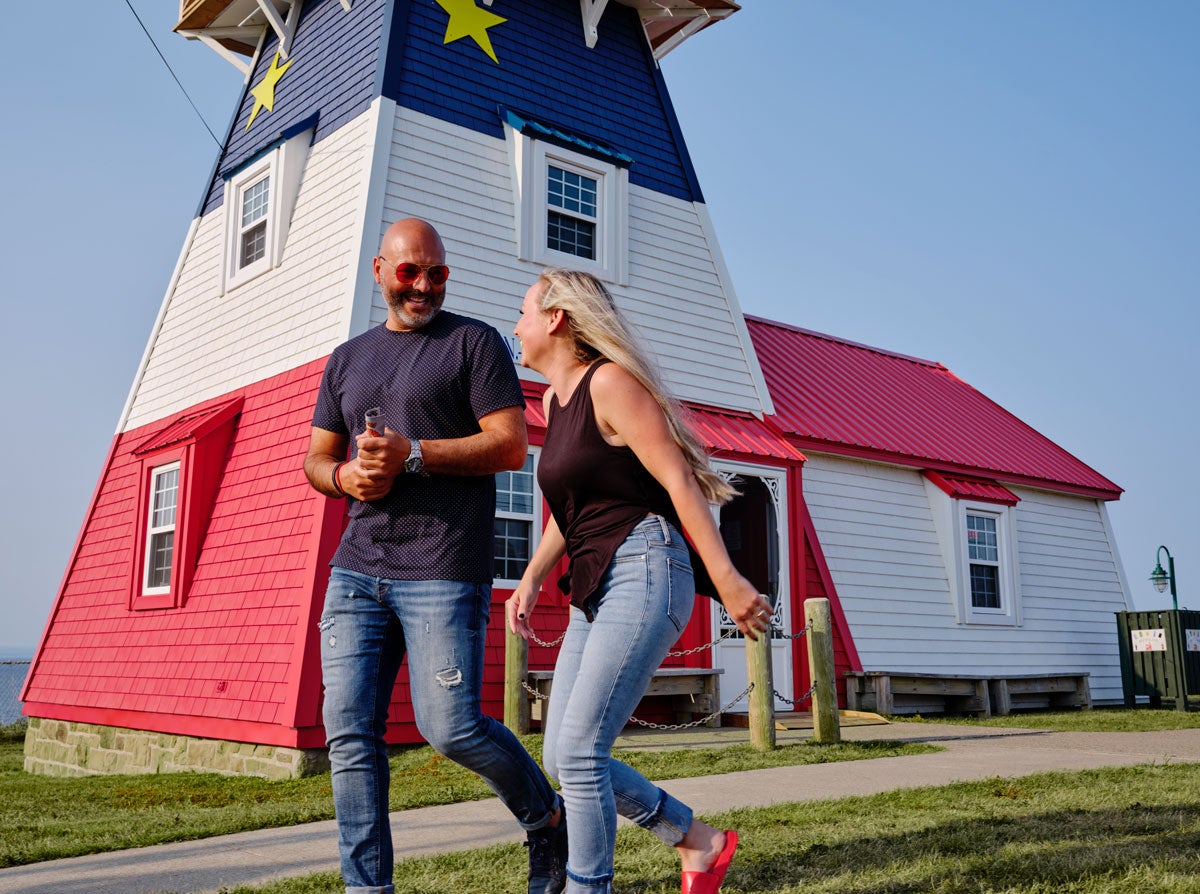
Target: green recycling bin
(1160,656)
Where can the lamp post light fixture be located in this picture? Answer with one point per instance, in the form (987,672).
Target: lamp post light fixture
(1161,578)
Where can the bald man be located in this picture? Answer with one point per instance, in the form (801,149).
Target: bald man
(412,574)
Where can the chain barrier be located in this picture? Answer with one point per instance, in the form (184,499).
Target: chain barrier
(795,701)
(799,633)
(668,726)
(679,654)
(673,726)
(725,635)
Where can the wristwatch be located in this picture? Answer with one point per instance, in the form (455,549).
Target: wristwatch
(415,464)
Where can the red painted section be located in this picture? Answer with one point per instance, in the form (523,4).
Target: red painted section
(835,396)
(233,654)
(973,489)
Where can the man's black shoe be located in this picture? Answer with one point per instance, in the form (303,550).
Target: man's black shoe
(548,858)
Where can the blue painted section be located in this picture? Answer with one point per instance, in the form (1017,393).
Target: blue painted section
(336,56)
(611,97)
(612,94)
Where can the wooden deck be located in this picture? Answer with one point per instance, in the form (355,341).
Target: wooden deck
(906,692)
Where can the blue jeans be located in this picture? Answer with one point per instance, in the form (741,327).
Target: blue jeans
(602,671)
(367,627)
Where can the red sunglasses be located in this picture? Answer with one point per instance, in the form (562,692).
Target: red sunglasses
(410,273)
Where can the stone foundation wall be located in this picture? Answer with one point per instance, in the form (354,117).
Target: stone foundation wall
(63,748)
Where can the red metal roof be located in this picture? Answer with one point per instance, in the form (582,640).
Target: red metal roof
(836,396)
(734,432)
(728,431)
(973,488)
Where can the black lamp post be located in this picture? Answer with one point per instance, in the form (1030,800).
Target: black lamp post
(1161,578)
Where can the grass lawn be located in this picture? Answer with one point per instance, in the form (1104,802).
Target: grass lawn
(46,817)
(1112,831)
(1099,720)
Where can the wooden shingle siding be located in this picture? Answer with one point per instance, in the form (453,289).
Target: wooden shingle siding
(210,343)
(231,652)
(876,531)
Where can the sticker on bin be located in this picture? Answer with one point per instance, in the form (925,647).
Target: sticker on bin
(1193,640)
(1149,640)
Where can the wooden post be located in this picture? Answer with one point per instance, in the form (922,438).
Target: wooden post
(762,696)
(516,669)
(826,723)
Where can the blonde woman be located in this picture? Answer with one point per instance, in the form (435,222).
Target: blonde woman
(624,477)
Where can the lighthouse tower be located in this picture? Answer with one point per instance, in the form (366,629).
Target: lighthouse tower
(529,132)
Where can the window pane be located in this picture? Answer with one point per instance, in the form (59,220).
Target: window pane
(254,201)
(512,548)
(571,191)
(514,490)
(571,236)
(982,543)
(166,491)
(985,586)
(254,244)
(158,573)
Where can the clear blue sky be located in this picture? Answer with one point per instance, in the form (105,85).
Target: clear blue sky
(1009,188)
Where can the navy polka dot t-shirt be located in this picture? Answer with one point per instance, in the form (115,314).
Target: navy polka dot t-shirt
(435,382)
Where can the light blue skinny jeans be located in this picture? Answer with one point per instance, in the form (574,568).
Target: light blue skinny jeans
(367,627)
(602,671)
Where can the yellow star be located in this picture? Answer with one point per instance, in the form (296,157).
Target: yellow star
(264,91)
(468,20)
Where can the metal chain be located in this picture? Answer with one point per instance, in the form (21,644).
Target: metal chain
(668,726)
(703,647)
(712,716)
(795,701)
(682,652)
(799,633)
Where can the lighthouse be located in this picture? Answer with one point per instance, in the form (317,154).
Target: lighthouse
(530,133)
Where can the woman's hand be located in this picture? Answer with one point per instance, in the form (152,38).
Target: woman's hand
(748,608)
(518,608)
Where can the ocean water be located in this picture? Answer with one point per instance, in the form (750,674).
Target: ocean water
(12,676)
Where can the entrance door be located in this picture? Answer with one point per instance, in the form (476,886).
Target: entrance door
(754,528)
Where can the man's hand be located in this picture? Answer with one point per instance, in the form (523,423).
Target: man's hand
(380,459)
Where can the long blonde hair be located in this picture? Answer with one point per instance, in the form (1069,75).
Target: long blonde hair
(598,329)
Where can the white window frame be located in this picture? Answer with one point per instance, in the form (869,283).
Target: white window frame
(283,165)
(151,530)
(534,519)
(235,190)
(532,160)
(1007,614)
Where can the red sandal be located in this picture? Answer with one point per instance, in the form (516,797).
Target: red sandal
(709,881)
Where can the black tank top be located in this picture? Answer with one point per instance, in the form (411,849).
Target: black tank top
(597,493)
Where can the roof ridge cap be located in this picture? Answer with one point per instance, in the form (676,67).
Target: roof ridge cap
(845,341)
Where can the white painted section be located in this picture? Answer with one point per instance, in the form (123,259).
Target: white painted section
(208,344)
(390,163)
(462,182)
(373,192)
(877,530)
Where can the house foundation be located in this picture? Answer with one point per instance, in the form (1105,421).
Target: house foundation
(64,748)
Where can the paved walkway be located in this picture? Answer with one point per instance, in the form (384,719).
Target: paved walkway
(199,867)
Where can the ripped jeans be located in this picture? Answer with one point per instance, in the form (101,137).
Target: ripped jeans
(367,627)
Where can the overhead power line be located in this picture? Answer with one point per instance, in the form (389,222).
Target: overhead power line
(176,77)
